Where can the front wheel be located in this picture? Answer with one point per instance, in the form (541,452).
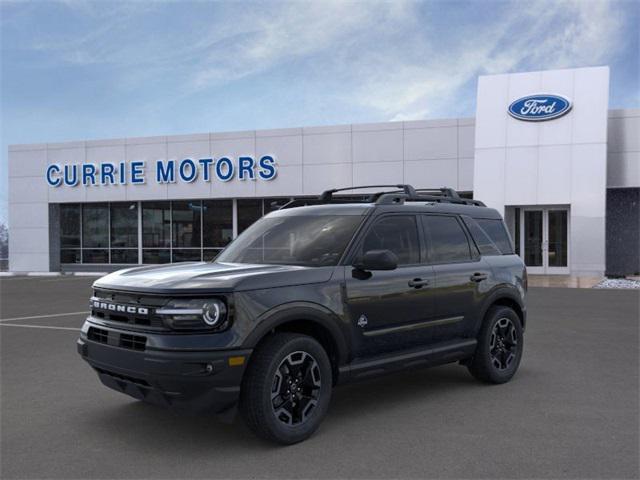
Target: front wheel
(287,388)
(500,346)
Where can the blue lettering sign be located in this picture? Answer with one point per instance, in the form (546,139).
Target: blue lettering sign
(51,180)
(165,174)
(186,170)
(137,173)
(106,173)
(267,168)
(246,168)
(206,168)
(188,174)
(221,165)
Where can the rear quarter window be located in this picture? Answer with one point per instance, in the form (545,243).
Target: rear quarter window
(495,230)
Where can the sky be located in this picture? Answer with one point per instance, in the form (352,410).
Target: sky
(76,70)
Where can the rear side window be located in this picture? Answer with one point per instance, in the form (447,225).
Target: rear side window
(446,241)
(496,231)
(481,238)
(397,233)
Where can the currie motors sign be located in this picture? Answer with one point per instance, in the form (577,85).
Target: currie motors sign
(187,170)
(540,107)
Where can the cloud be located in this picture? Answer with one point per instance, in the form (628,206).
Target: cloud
(401,60)
(295,31)
(535,35)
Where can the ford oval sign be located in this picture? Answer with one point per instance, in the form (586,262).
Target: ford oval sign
(536,108)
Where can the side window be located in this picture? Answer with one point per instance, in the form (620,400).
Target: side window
(497,232)
(484,243)
(398,233)
(446,240)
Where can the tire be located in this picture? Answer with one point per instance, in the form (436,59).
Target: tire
(500,346)
(284,363)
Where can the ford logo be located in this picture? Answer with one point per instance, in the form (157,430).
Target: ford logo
(536,108)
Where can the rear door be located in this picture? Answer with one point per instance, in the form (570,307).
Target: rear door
(460,275)
(388,308)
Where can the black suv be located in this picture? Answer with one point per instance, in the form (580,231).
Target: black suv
(312,296)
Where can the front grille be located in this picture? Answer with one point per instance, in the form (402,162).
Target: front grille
(122,340)
(98,335)
(136,311)
(133,342)
(122,318)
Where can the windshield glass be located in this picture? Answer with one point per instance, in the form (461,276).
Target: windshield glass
(315,241)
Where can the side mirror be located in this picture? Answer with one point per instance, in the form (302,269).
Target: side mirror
(377,260)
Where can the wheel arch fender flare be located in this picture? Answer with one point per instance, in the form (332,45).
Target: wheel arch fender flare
(314,313)
(502,295)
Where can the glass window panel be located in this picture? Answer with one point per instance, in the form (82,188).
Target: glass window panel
(249,210)
(315,240)
(156,256)
(533,238)
(446,240)
(186,223)
(484,243)
(95,256)
(156,224)
(398,234)
(95,225)
(210,253)
(126,255)
(558,238)
(496,231)
(217,222)
(70,256)
(124,225)
(69,226)
(186,255)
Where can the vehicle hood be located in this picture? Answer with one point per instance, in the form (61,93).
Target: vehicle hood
(211,277)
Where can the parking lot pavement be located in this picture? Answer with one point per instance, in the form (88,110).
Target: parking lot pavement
(571,411)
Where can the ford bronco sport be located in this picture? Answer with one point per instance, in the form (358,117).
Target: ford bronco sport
(312,296)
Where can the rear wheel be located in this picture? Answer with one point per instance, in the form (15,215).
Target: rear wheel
(287,388)
(500,346)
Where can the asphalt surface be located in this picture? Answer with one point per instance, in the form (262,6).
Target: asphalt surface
(570,412)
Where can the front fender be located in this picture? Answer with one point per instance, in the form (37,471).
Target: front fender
(293,311)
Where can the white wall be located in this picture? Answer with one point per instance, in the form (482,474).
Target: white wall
(556,162)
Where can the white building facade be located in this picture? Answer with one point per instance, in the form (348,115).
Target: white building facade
(544,149)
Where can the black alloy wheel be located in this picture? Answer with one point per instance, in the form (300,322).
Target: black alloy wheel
(286,388)
(296,388)
(504,343)
(500,346)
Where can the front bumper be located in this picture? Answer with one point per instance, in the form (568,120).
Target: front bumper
(201,380)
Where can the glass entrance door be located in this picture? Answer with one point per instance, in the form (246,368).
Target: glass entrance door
(544,240)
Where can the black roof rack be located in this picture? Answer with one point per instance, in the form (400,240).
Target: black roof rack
(403,193)
(327,195)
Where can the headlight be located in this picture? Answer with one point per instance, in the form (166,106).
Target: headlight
(205,314)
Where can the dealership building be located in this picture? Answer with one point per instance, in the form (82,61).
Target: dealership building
(544,149)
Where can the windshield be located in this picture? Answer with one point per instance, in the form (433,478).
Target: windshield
(314,241)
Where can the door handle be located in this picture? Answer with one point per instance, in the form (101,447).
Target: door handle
(478,277)
(418,283)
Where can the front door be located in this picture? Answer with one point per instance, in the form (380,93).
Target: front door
(389,309)
(544,239)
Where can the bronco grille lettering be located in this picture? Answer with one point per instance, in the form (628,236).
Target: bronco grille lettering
(114,307)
